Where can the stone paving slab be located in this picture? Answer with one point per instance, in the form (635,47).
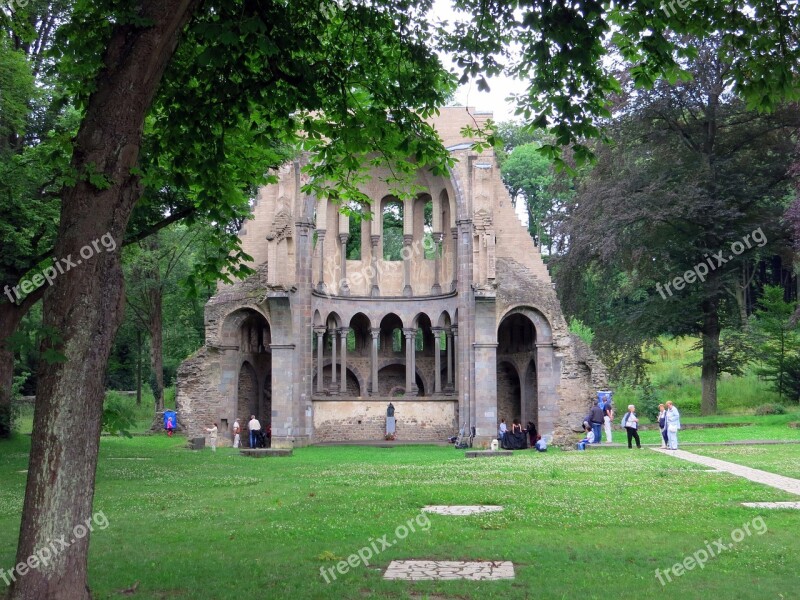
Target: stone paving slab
(487,453)
(787,484)
(791,505)
(420,570)
(263,452)
(460,511)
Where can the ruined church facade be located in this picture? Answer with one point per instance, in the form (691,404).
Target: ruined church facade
(441,305)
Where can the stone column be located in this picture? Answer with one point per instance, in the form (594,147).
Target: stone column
(320,331)
(454,232)
(344,288)
(321,244)
(343,336)
(375,291)
(454,329)
(334,339)
(437,352)
(410,335)
(437,263)
(449,359)
(376,332)
(407,239)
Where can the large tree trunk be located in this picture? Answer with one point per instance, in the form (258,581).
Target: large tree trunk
(710,367)
(10,317)
(157,343)
(8,324)
(138,368)
(85,305)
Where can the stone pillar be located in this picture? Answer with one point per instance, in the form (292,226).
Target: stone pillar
(437,362)
(283,421)
(407,239)
(334,340)
(449,359)
(437,264)
(376,332)
(343,336)
(410,335)
(320,331)
(375,290)
(454,329)
(454,232)
(321,244)
(344,288)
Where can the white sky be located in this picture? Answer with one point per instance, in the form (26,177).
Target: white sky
(468,94)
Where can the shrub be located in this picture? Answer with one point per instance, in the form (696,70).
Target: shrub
(119,417)
(771,409)
(648,402)
(582,330)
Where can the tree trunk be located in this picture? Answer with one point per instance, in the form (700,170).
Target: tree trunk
(85,304)
(138,368)
(7,326)
(157,343)
(710,368)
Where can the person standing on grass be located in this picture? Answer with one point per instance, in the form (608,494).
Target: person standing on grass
(607,417)
(254,427)
(170,426)
(673,426)
(631,424)
(662,424)
(596,421)
(237,430)
(212,436)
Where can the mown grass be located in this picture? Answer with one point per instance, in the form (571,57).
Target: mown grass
(783,460)
(585,525)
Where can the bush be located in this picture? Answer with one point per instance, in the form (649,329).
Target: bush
(771,409)
(582,330)
(648,402)
(119,417)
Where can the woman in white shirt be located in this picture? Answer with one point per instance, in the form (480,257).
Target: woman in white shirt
(631,424)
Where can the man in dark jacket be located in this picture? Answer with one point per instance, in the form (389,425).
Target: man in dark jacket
(596,420)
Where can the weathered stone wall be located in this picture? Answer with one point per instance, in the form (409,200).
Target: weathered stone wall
(423,420)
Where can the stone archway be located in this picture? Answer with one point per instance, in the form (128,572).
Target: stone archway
(247,398)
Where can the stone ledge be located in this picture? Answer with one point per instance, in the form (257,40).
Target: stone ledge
(487,453)
(262,452)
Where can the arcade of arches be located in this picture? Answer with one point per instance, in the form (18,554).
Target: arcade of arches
(439,302)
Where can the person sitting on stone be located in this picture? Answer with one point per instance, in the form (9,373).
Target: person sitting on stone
(588,437)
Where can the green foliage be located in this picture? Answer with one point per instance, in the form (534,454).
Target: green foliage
(648,402)
(119,417)
(770,409)
(582,330)
(779,343)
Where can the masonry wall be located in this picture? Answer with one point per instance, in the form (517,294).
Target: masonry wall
(342,420)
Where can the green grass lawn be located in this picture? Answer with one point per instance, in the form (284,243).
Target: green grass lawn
(576,524)
(773,427)
(783,460)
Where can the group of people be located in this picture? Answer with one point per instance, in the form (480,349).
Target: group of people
(669,423)
(258,437)
(599,418)
(535,440)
